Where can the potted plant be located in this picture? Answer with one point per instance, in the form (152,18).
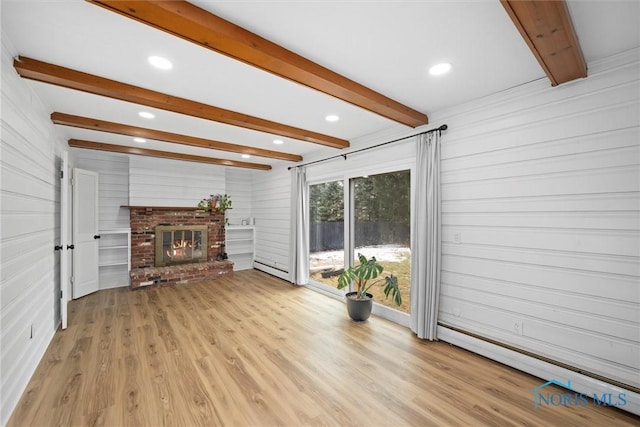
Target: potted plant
(216,202)
(359,302)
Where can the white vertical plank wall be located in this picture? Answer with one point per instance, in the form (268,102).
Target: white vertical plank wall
(166,182)
(30,211)
(270,205)
(541,229)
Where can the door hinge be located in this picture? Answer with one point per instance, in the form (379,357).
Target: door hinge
(61,294)
(72,279)
(61,174)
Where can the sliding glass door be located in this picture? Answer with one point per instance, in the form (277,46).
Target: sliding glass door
(326,232)
(381,227)
(368,215)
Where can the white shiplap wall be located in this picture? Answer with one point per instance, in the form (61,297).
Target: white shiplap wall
(239,186)
(164,182)
(541,188)
(113,181)
(30,207)
(270,205)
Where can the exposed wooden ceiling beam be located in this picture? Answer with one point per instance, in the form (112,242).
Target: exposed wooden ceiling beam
(66,77)
(196,25)
(111,127)
(547,28)
(100,146)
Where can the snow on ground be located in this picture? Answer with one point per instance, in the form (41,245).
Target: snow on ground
(329,259)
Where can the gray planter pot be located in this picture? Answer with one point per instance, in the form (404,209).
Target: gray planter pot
(359,309)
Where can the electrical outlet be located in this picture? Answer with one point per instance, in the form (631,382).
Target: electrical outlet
(517,327)
(457,237)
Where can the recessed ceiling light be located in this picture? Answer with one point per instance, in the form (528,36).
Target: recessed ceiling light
(440,69)
(160,62)
(146,114)
(278,141)
(332,118)
(246,156)
(140,140)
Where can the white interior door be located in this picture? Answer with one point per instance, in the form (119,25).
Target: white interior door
(64,238)
(85,232)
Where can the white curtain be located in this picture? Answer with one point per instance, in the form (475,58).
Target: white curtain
(425,253)
(298,236)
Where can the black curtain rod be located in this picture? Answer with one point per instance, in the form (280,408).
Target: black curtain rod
(438,129)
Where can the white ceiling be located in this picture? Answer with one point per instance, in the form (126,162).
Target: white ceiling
(385,45)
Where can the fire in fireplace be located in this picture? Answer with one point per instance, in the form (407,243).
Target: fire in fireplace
(180,244)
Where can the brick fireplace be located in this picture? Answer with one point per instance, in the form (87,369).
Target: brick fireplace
(147,271)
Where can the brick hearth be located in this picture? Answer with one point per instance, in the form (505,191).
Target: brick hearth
(144,220)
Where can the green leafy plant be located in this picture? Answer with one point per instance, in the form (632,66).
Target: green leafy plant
(216,202)
(224,203)
(369,270)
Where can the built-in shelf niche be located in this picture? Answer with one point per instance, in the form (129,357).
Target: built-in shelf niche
(114,258)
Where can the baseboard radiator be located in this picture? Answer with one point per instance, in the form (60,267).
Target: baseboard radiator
(543,369)
(274,271)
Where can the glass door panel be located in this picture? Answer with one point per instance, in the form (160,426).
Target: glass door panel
(382,228)
(326,232)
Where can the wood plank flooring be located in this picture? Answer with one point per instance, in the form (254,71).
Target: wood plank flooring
(253,350)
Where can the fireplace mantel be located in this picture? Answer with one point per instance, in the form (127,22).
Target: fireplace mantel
(164,208)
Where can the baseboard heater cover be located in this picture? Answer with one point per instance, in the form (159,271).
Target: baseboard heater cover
(546,371)
(274,271)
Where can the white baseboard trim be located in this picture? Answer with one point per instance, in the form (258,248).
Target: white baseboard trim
(270,270)
(539,368)
(379,310)
(325,290)
(392,315)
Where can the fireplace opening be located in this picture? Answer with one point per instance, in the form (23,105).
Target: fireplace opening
(178,244)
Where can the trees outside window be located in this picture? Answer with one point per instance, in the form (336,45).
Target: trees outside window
(326,232)
(382,228)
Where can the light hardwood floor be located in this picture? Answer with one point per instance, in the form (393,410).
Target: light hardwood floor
(255,351)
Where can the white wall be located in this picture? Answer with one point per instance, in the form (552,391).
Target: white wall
(161,182)
(542,187)
(30,206)
(239,186)
(164,182)
(113,181)
(270,204)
